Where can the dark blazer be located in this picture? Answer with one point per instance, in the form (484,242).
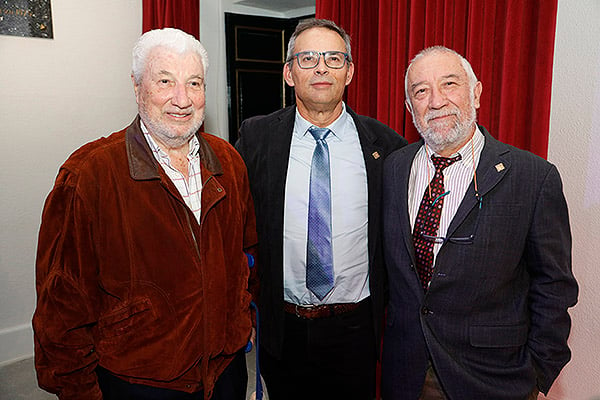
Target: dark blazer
(264,144)
(494,321)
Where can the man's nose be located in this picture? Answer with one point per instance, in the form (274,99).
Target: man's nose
(437,99)
(321,68)
(180,97)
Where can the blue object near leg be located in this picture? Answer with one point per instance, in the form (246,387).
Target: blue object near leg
(250,259)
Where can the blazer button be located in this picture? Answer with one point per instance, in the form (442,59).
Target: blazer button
(412,267)
(426,311)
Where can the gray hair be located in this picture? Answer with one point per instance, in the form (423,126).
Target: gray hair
(170,38)
(440,49)
(317,23)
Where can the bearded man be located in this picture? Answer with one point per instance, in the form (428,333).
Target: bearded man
(142,276)
(477,246)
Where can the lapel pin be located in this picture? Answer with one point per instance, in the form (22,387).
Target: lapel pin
(499,167)
(375,155)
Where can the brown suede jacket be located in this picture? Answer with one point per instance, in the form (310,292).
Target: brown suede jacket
(127,279)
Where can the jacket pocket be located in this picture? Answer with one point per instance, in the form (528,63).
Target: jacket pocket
(498,335)
(124,319)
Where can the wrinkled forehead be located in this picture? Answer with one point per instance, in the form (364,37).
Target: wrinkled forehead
(434,66)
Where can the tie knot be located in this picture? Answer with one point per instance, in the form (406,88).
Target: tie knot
(319,133)
(442,162)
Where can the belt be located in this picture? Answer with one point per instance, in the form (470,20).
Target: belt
(320,311)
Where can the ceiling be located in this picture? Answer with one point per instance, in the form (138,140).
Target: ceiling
(277,5)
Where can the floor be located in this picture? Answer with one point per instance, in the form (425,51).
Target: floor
(18,381)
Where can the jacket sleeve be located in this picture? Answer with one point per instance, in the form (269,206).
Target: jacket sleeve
(553,288)
(66,292)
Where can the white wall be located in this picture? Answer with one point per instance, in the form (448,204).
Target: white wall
(574,140)
(55,95)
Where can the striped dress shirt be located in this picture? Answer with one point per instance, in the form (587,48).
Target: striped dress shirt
(190,189)
(457,178)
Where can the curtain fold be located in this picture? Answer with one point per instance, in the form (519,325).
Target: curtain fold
(181,14)
(509,43)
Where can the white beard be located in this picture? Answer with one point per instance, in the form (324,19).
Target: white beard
(443,135)
(163,132)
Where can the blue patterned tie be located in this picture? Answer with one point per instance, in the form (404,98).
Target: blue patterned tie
(319,256)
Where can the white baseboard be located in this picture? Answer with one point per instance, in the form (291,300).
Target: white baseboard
(16,343)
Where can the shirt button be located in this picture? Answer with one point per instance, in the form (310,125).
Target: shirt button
(426,311)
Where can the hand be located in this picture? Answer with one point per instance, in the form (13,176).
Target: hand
(253,337)
(534,394)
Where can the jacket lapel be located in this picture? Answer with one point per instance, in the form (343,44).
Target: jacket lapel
(492,168)
(279,142)
(400,193)
(403,181)
(373,158)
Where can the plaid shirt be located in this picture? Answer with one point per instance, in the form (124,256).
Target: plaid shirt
(190,190)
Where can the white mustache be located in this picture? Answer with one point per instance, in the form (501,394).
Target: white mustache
(181,111)
(440,113)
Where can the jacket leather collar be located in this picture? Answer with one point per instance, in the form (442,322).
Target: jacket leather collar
(143,165)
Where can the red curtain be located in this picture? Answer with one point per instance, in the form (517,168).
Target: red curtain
(509,43)
(181,14)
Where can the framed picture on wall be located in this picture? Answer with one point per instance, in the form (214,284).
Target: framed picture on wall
(27,18)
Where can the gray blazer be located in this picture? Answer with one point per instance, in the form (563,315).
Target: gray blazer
(494,321)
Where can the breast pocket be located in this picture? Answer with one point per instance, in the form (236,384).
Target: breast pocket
(501,209)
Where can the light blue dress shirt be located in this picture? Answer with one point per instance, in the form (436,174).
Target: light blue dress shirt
(349,214)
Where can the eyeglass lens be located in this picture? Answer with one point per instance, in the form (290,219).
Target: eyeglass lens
(310,59)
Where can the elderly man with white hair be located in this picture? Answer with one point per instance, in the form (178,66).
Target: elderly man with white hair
(142,264)
(478,252)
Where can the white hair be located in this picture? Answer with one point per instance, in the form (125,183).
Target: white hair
(173,39)
(440,49)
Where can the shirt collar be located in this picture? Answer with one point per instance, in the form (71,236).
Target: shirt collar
(194,144)
(336,127)
(468,154)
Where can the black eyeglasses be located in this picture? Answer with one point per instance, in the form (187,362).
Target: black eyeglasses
(456,240)
(310,59)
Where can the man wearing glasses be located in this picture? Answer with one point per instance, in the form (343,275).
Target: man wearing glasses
(315,174)
(478,250)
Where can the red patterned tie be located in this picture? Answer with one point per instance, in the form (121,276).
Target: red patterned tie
(428,219)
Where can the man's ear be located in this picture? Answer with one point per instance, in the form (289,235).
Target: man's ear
(350,73)
(477,94)
(287,73)
(136,88)
(408,106)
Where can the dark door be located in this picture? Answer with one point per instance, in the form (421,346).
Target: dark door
(256,51)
